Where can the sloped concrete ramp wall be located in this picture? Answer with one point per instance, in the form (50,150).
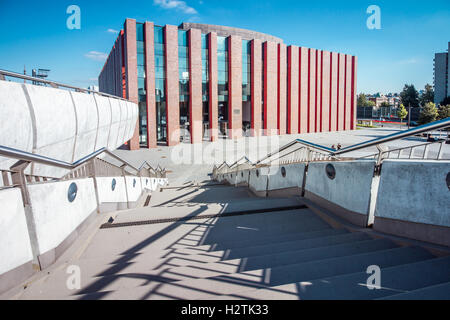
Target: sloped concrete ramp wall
(414,200)
(348,194)
(61,124)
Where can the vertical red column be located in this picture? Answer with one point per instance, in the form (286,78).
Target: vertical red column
(334,91)
(150,84)
(256,86)
(172,85)
(131,73)
(325,102)
(213,90)
(341,84)
(348,92)
(317,112)
(292,103)
(354,95)
(282,84)
(270,88)
(303,90)
(312,91)
(195,86)
(235,87)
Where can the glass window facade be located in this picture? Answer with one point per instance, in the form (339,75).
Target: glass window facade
(246,71)
(183,70)
(222,75)
(142,94)
(160,85)
(205,78)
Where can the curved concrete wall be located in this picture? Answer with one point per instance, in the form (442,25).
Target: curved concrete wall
(258,183)
(61,124)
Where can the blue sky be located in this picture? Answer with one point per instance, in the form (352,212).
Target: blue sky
(34,33)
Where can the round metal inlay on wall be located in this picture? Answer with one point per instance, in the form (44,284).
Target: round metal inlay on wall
(134,183)
(257,173)
(331,171)
(113,184)
(448,181)
(72,192)
(283,172)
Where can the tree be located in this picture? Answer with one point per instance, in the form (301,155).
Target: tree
(410,96)
(429,113)
(444,112)
(362,100)
(385,105)
(402,113)
(371,103)
(427,95)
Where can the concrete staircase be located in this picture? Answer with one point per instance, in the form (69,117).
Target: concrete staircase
(253,254)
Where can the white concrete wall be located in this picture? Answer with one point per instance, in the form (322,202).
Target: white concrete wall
(134,188)
(414,191)
(61,124)
(87,124)
(294,177)
(15,247)
(350,189)
(19,132)
(55,217)
(259,183)
(242,177)
(105,192)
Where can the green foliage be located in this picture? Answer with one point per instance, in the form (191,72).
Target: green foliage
(444,112)
(401,112)
(427,95)
(410,96)
(371,104)
(428,114)
(362,100)
(385,105)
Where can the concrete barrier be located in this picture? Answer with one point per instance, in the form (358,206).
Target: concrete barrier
(286,180)
(348,195)
(61,124)
(57,220)
(258,181)
(112,194)
(134,190)
(242,178)
(15,254)
(414,200)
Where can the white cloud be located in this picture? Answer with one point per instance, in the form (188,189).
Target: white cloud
(175,4)
(96,56)
(112,31)
(409,61)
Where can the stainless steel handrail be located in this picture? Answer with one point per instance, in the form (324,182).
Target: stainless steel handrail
(53,83)
(31,157)
(333,152)
(396,136)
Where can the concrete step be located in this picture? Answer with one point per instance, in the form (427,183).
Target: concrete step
(263,226)
(275,248)
(258,279)
(433,274)
(231,244)
(437,292)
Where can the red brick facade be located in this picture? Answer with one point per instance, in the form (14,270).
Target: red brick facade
(301,89)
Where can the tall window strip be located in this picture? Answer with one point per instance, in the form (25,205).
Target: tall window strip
(263,68)
(183,70)
(246,84)
(142,94)
(222,78)
(160,84)
(205,83)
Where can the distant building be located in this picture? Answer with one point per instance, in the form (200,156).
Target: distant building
(441,71)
